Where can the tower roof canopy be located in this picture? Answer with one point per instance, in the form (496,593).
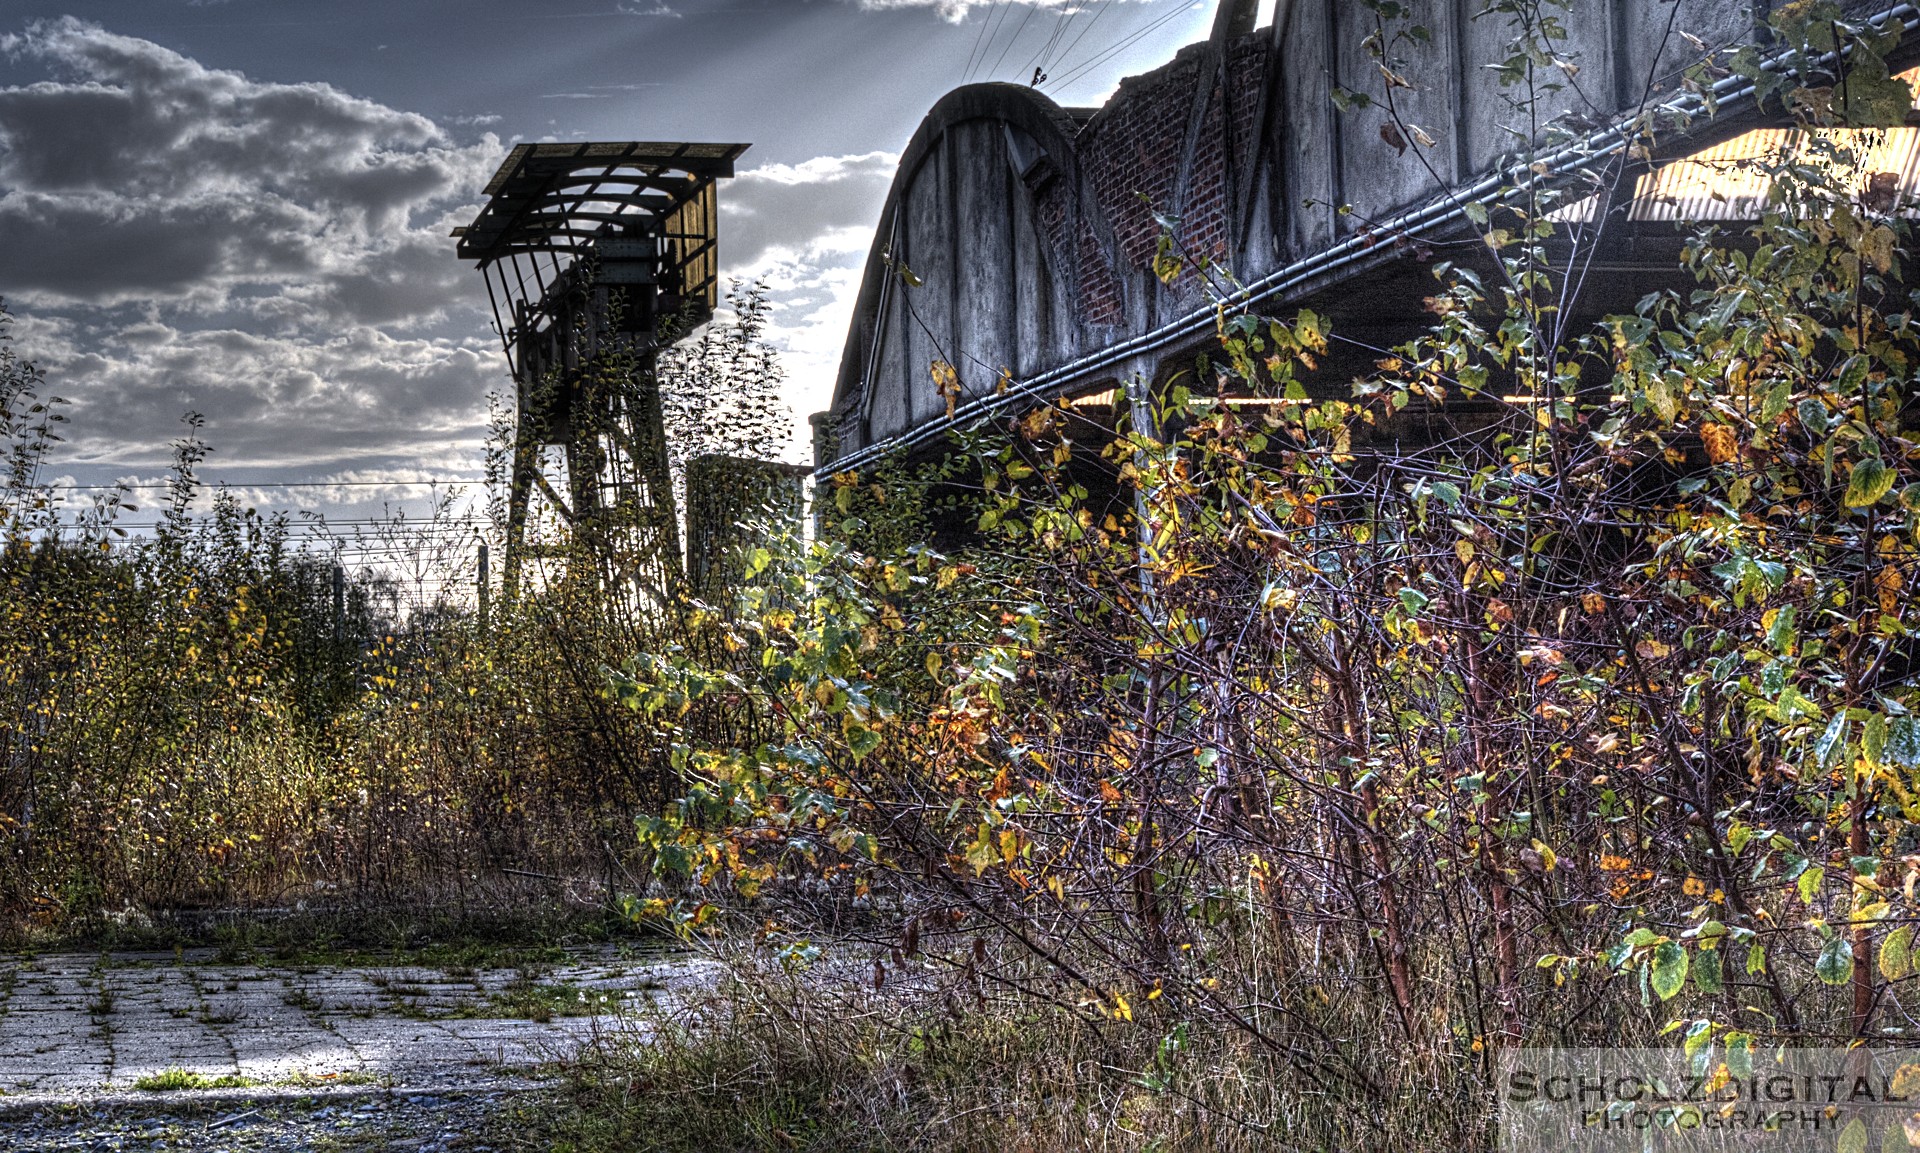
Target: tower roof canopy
(558,198)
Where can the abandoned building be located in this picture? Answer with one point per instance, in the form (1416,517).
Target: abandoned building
(1019,238)
(1324,160)
(596,256)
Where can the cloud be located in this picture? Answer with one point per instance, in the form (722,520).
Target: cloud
(179,181)
(361,395)
(273,255)
(277,257)
(954,11)
(794,203)
(803,230)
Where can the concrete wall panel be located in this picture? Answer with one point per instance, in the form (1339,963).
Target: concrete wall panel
(1034,254)
(1378,177)
(983,338)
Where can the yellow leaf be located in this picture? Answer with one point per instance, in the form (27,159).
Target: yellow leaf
(946,382)
(1722,446)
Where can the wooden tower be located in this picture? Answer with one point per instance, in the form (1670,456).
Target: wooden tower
(595,257)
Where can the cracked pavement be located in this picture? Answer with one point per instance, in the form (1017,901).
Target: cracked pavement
(86,1030)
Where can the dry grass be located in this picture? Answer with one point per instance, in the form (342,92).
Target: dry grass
(773,1060)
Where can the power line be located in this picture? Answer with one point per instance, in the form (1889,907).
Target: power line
(429,482)
(1067,53)
(1017,33)
(978,38)
(1122,46)
(992,36)
(1038,62)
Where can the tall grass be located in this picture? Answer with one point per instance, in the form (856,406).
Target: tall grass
(190,719)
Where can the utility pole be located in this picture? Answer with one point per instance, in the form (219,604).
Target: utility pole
(485,588)
(339,604)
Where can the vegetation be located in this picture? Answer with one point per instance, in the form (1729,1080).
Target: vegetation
(1255,771)
(175,1080)
(1341,760)
(201,718)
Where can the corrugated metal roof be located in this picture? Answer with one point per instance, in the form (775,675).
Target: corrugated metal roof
(1731,181)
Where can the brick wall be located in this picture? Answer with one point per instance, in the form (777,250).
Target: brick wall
(1099,287)
(1203,216)
(1136,146)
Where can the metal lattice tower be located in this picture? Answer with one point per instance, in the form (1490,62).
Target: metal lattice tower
(595,256)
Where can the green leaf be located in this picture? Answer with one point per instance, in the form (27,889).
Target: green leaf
(1809,883)
(1756,960)
(1669,969)
(1346,100)
(1832,743)
(1782,632)
(1853,1139)
(1871,480)
(1778,398)
(1814,417)
(1699,1038)
(1737,838)
(1902,750)
(1869,97)
(1706,972)
(1873,737)
(1740,1054)
(1793,705)
(861,740)
(1835,964)
(1896,953)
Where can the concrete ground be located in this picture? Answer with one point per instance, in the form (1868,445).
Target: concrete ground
(180,1051)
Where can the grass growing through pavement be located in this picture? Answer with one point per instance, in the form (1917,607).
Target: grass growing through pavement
(542,1003)
(174,1080)
(350,1077)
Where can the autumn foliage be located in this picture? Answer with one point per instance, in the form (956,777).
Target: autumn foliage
(1590,721)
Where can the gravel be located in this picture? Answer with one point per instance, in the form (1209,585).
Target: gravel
(405,1123)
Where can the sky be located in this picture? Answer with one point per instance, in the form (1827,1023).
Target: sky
(242,207)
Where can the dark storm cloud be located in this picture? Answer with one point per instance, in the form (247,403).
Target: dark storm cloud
(155,176)
(787,205)
(273,255)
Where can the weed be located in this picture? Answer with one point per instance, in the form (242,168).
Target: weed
(330,1080)
(176,1079)
(301,999)
(530,1001)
